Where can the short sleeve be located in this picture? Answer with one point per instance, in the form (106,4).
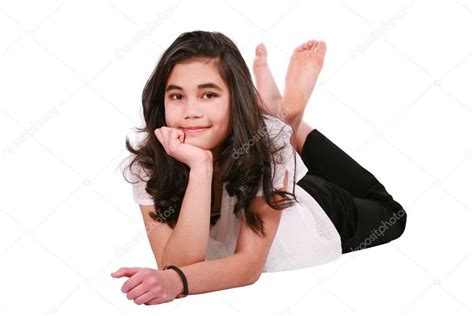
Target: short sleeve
(286,159)
(140,196)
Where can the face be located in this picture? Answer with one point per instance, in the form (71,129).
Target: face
(197,96)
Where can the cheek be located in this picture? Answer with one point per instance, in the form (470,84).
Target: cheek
(171,117)
(223,114)
(224,123)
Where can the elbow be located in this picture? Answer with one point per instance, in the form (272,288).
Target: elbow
(248,278)
(255,274)
(252,268)
(254,278)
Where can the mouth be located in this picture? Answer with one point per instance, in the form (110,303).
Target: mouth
(194,129)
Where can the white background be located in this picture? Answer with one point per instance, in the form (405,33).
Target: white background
(395,93)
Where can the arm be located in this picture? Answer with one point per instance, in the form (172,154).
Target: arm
(189,240)
(242,268)
(151,286)
(214,275)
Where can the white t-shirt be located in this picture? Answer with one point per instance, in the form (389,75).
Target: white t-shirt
(306,236)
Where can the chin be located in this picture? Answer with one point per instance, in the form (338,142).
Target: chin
(196,143)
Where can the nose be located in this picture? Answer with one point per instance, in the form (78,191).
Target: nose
(192,109)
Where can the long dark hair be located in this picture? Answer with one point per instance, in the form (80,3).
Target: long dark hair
(167,177)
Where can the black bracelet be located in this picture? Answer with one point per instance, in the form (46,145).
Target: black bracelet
(183,278)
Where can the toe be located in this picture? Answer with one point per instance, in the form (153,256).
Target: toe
(299,48)
(261,51)
(321,48)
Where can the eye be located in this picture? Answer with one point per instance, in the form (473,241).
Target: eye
(177,95)
(212,95)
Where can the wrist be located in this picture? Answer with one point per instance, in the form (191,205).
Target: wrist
(176,282)
(202,169)
(205,162)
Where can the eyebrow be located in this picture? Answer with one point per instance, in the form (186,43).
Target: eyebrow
(200,87)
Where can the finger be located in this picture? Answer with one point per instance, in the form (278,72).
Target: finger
(125,272)
(145,297)
(153,302)
(182,136)
(174,135)
(158,134)
(136,291)
(166,131)
(132,284)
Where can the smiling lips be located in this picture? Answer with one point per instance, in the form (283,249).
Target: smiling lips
(194,129)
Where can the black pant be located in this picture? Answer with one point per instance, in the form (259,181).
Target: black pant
(363,212)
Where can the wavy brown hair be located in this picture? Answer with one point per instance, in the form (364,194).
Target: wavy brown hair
(168,177)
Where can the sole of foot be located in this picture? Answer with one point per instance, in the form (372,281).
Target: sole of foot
(265,82)
(303,72)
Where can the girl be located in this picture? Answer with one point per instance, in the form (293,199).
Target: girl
(216,168)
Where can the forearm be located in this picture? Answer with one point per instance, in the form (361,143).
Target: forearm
(189,240)
(232,271)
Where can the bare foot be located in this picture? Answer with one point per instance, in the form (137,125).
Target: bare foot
(266,85)
(303,71)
